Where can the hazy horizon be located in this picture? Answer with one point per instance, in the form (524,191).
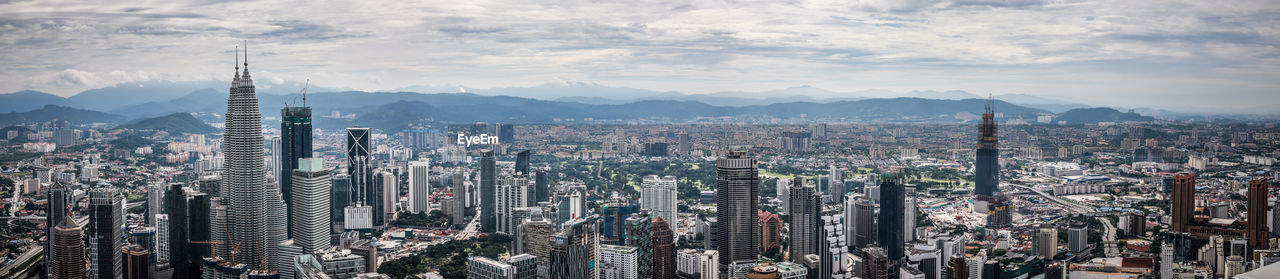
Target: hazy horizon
(1180,56)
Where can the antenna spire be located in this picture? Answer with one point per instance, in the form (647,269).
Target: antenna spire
(246,55)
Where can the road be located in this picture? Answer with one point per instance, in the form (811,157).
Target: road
(35,250)
(1073,207)
(16,205)
(1109,238)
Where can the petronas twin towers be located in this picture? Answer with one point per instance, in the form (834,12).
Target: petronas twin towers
(245,173)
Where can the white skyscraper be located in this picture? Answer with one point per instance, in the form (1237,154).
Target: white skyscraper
(620,261)
(245,173)
(658,195)
(419,188)
(311,189)
(512,192)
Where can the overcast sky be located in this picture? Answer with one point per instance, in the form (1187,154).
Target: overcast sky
(1192,55)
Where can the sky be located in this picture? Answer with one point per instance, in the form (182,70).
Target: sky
(1196,56)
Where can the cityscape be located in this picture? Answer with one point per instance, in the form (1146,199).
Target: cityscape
(255,175)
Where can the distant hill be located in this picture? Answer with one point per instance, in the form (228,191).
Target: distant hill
(22,133)
(28,100)
(1095,115)
(174,123)
(52,112)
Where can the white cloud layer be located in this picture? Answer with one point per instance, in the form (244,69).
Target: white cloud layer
(1184,55)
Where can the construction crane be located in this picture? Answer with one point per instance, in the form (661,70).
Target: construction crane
(212,244)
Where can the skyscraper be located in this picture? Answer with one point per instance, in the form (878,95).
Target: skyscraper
(541,192)
(488,174)
(360,168)
(310,220)
(640,235)
(860,219)
(1257,231)
(664,249)
(522,162)
(420,186)
(1046,242)
(199,227)
(179,233)
(682,144)
(57,209)
(511,193)
(244,173)
(1183,202)
(987,165)
(805,209)
(831,247)
(295,143)
(737,199)
(460,197)
(105,239)
(67,253)
(574,252)
(277,220)
(658,196)
(1078,239)
(340,198)
(891,217)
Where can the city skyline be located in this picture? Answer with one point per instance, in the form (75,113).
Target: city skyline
(1194,57)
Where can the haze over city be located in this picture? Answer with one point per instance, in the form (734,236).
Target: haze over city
(1186,56)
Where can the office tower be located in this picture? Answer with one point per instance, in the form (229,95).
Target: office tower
(832,249)
(310,220)
(618,262)
(541,191)
(957,268)
(162,238)
(664,249)
(682,144)
(533,238)
(877,265)
(1235,266)
(179,232)
(419,186)
(737,200)
(57,209)
(66,258)
(1257,231)
(105,239)
(891,237)
(1078,239)
(364,190)
(860,221)
(136,262)
(640,235)
(488,174)
(218,225)
(795,142)
(211,184)
(805,210)
(613,229)
(522,162)
(1136,225)
(389,191)
(574,251)
(987,165)
(245,173)
(459,190)
(340,198)
(511,191)
(909,216)
(770,231)
(277,218)
(507,133)
(658,196)
(1183,202)
(295,143)
(1046,244)
(273,143)
(522,266)
(198,209)
(155,202)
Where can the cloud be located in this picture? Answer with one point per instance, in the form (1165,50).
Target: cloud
(1105,52)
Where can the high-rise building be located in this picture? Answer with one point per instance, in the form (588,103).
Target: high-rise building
(1046,242)
(488,192)
(388,184)
(310,222)
(245,173)
(658,196)
(575,250)
(137,262)
(522,266)
(541,191)
(877,265)
(1257,230)
(295,143)
(832,251)
(1183,201)
(419,185)
(987,165)
(105,227)
(511,194)
(805,210)
(909,216)
(460,196)
(737,200)
(534,238)
(211,183)
(891,237)
(640,235)
(199,229)
(664,249)
(58,208)
(67,253)
(522,161)
(364,190)
(1078,239)
(860,220)
(682,144)
(770,231)
(957,268)
(618,262)
(277,217)
(178,234)
(340,198)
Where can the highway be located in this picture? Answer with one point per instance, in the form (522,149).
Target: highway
(1073,207)
(35,250)
(1109,238)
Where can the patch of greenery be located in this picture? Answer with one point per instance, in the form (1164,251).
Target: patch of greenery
(449,258)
